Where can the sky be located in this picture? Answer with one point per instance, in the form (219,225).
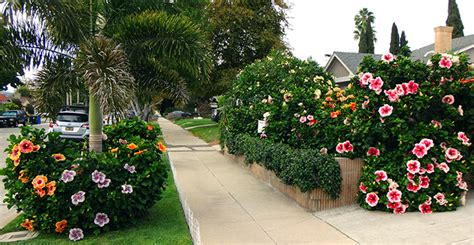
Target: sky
(321,27)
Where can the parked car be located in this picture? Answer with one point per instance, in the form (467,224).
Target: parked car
(12,118)
(71,125)
(178,115)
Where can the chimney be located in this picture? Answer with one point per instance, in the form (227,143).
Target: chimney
(443,39)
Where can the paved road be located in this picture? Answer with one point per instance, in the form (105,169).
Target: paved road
(7,215)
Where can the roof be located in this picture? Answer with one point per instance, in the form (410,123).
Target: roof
(458,44)
(3,97)
(351,60)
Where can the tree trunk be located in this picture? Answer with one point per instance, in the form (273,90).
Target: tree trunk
(95,125)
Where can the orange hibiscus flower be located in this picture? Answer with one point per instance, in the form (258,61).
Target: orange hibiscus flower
(140,152)
(51,186)
(161,147)
(40,192)
(16,162)
(16,153)
(27,224)
(150,127)
(23,176)
(26,146)
(353,106)
(61,226)
(39,182)
(36,148)
(334,114)
(132,146)
(115,150)
(59,157)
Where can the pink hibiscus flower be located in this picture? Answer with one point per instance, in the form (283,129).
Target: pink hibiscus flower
(424,181)
(443,166)
(365,79)
(440,198)
(393,205)
(373,152)
(302,119)
(385,110)
(430,168)
(340,148)
(419,150)
(310,117)
(413,166)
(410,176)
(452,154)
(462,137)
(76,234)
(362,187)
(392,95)
(448,99)
(413,187)
(462,185)
(348,146)
(399,90)
(412,87)
(394,195)
(101,219)
(78,197)
(376,84)
(436,124)
(401,209)
(405,88)
(425,208)
(372,199)
(381,175)
(445,62)
(428,143)
(387,58)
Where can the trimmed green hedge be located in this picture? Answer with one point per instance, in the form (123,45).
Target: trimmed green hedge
(305,168)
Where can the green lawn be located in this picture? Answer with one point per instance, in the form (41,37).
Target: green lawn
(186,123)
(209,134)
(164,224)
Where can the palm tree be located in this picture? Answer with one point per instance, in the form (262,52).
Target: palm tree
(364,31)
(166,53)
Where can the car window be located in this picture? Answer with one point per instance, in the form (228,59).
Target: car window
(69,117)
(9,113)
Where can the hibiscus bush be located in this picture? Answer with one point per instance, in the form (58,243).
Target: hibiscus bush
(60,187)
(412,130)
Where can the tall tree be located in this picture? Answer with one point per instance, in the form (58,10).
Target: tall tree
(404,48)
(395,40)
(364,31)
(241,32)
(454,19)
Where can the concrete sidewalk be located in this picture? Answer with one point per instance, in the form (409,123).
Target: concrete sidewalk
(224,204)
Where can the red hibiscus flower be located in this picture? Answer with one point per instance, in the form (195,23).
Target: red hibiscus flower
(436,124)
(419,150)
(372,199)
(462,137)
(381,175)
(340,148)
(413,166)
(443,166)
(26,146)
(405,88)
(312,122)
(399,89)
(362,187)
(392,95)
(365,79)
(387,58)
(424,181)
(425,208)
(393,205)
(373,152)
(385,110)
(348,146)
(394,195)
(448,99)
(440,198)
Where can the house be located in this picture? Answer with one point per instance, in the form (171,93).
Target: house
(3,98)
(343,65)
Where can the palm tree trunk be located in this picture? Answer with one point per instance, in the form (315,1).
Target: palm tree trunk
(95,125)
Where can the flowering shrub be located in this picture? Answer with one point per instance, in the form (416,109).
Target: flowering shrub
(62,188)
(411,131)
(129,129)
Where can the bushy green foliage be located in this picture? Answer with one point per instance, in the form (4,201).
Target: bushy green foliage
(427,103)
(129,129)
(59,186)
(304,168)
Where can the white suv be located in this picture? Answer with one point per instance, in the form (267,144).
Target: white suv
(71,125)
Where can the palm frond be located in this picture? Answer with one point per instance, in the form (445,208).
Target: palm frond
(104,67)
